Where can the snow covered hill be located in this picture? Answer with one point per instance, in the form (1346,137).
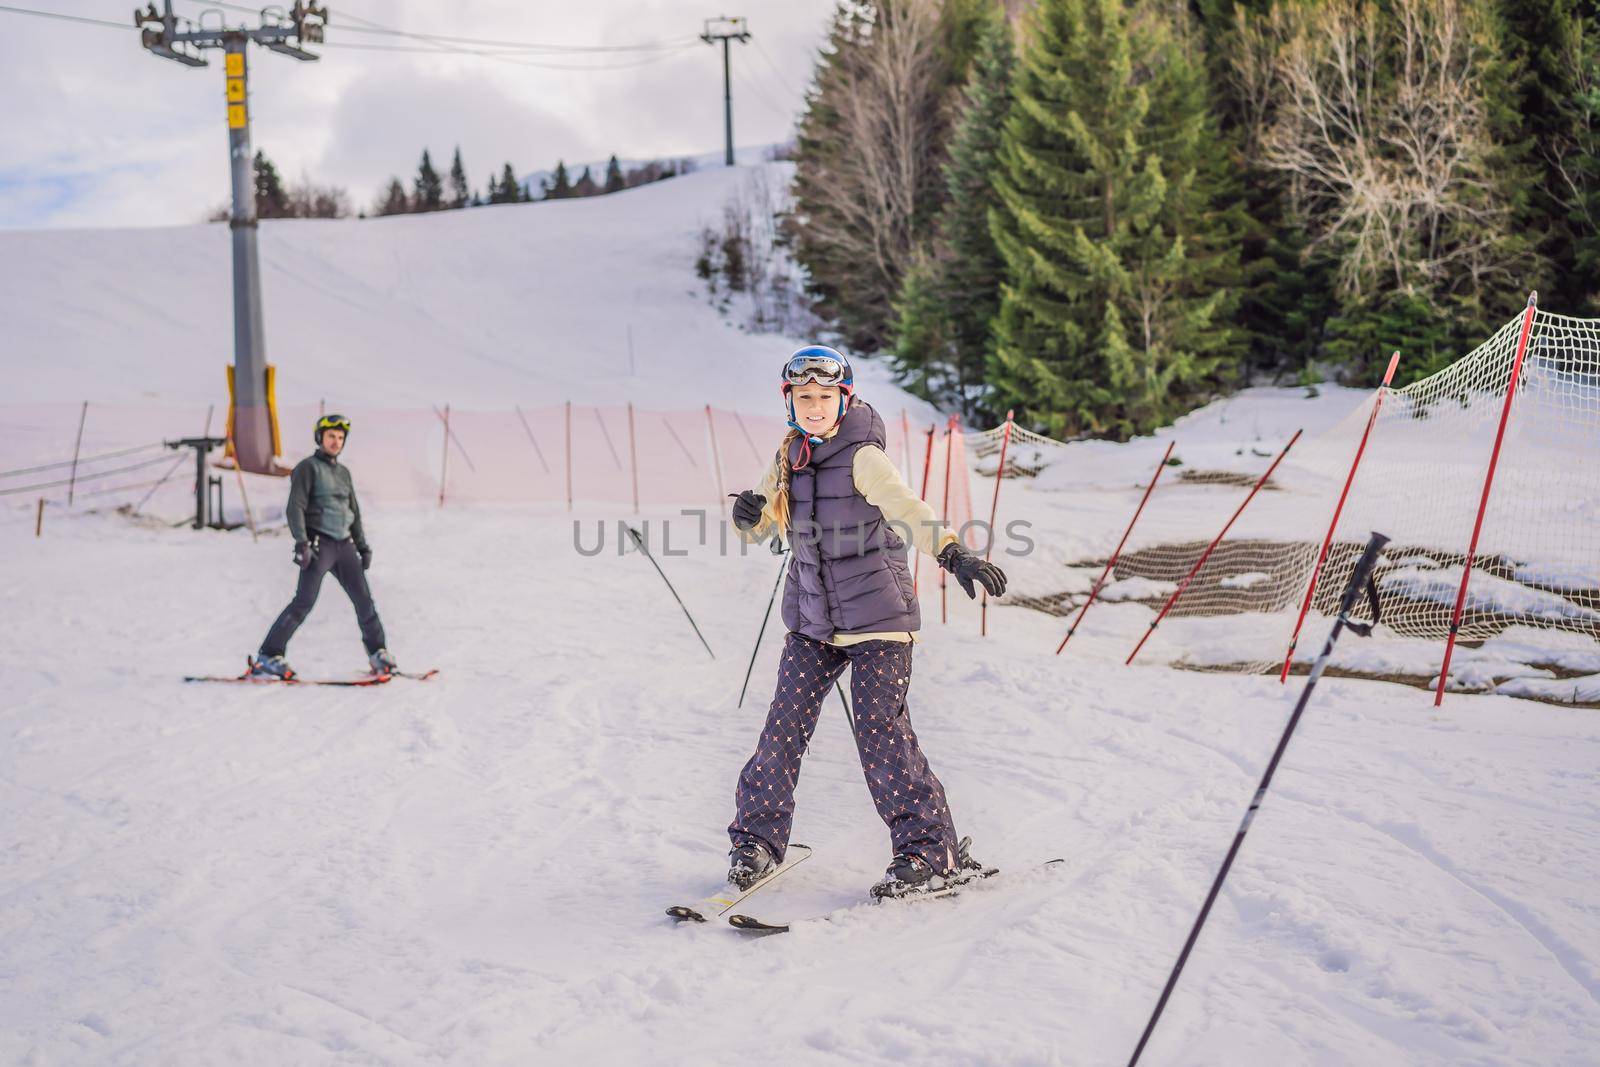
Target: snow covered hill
(525,303)
(473,870)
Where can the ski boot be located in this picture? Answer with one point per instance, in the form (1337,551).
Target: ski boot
(909,875)
(270,669)
(381,662)
(749,863)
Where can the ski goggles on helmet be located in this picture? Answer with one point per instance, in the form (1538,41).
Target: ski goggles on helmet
(333,422)
(810,365)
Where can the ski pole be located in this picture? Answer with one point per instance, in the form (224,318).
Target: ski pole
(1361,578)
(852,719)
(640,542)
(783,565)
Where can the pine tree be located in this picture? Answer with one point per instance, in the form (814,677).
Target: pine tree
(429,195)
(393,201)
(1286,295)
(510,187)
(585,185)
(561,188)
(1542,43)
(614,179)
(1115,225)
(951,295)
(1583,213)
(492,190)
(272,200)
(460,192)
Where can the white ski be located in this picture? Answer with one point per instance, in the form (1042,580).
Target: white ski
(729,896)
(750,924)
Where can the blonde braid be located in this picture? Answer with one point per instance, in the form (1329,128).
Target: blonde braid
(780,501)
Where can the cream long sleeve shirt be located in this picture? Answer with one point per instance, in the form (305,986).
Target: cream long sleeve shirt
(876,479)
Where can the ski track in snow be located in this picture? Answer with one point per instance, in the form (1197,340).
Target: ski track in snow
(473,869)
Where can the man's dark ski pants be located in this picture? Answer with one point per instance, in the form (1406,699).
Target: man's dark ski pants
(344,561)
(908,797)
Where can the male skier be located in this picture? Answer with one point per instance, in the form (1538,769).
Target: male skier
(325,521)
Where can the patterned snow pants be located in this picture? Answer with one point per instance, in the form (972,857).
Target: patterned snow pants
(908,797)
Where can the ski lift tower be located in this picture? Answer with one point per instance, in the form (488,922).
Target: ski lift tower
(726,30)
(252,412)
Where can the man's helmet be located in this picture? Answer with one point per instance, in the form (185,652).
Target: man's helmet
(331,422)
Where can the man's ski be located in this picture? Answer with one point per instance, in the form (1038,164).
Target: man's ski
(730,895)
(752,925)
(371,679)
(269,679)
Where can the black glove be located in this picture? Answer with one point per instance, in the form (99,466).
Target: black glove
(969,568)
(304,554)
(747,509)
(365,553)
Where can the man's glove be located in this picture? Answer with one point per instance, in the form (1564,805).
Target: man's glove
(304,554)
(969,568)
(365,552)
(747,509)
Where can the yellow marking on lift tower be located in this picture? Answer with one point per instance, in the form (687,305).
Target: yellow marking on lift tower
(235,65)
(235,90)
(236,117)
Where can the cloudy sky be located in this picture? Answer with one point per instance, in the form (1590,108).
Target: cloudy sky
(99,132)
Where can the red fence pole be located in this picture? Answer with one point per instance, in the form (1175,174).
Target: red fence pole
(994,509)
(72,481)
(927,468)
(444,458)
(1112,562)
(633,459)
(569,455)
(1178,592)
(716,460)
(1488,483)
(944,514)
(1327,542)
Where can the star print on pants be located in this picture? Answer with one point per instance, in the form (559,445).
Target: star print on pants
(908,796)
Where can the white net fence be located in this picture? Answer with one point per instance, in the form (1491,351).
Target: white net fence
(1535,574)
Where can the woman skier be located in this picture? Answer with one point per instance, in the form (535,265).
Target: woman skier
(848,601)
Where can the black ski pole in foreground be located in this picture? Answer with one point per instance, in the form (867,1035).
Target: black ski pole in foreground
(783,566)
(640,542)
(840,687)
(1361,578)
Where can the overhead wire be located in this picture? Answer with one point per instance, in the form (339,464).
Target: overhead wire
(9,9)
(369,26)
(749,83)
(515,53)
(772,65)
(515,59)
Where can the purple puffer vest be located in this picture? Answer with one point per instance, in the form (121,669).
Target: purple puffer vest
(847,567)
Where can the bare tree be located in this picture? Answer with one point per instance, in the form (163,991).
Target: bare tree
(1376,115)
(863,200)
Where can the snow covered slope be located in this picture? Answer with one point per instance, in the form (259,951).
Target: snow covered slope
(526,303)
(473,870)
